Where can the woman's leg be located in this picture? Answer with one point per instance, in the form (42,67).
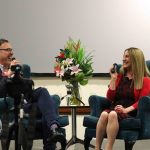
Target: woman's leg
(112,130)
(101,129)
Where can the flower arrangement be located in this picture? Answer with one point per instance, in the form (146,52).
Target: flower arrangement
(72,63)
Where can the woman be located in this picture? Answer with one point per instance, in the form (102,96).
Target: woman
(125,90)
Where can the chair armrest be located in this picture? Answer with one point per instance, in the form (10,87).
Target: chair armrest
(4,105)
(148,64)
(144,114)
(98,104)
(26,70)
(63,120)
(90,121)
(56,99)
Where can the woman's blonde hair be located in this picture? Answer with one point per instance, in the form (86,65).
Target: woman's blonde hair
(138,66)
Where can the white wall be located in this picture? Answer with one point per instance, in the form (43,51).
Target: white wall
(37,29)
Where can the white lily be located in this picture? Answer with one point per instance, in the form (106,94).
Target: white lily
(67,62)
(75,69)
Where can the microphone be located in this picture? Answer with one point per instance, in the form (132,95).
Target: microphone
(115,68)
(13,58)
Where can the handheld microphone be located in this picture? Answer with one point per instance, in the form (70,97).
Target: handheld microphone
(13,58)
(114,69)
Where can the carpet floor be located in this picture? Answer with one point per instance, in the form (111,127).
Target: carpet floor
(119,145)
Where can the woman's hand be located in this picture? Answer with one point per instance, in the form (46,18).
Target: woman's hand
(113,75)
(120,109)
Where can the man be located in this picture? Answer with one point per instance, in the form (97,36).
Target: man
(40,95)
(6,54)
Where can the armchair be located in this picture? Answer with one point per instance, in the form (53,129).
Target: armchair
(63,120)
(130,129)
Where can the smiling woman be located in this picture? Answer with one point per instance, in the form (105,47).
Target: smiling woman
(124,92)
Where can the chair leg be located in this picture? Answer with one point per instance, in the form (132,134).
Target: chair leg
(129,145)
(87,141)
(5,141)
(63,145)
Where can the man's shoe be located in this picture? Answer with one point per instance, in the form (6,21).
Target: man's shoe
(55,136)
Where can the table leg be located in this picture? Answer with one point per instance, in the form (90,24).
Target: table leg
(74,138)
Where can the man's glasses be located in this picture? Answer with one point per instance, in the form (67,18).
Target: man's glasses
(7,49)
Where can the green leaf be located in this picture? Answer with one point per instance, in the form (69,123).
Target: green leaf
(80,76)
(80,55)
(83,82)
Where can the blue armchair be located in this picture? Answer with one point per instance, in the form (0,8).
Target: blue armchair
(8,104)
(63,120)
(131,129)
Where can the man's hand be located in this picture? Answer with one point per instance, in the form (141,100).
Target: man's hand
(14,62)
(8,72)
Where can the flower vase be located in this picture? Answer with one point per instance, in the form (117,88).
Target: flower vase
(74,98)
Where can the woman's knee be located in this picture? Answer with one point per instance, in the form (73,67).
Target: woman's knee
(112,116)
(103,116)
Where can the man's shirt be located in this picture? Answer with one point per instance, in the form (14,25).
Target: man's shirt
(1,70)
